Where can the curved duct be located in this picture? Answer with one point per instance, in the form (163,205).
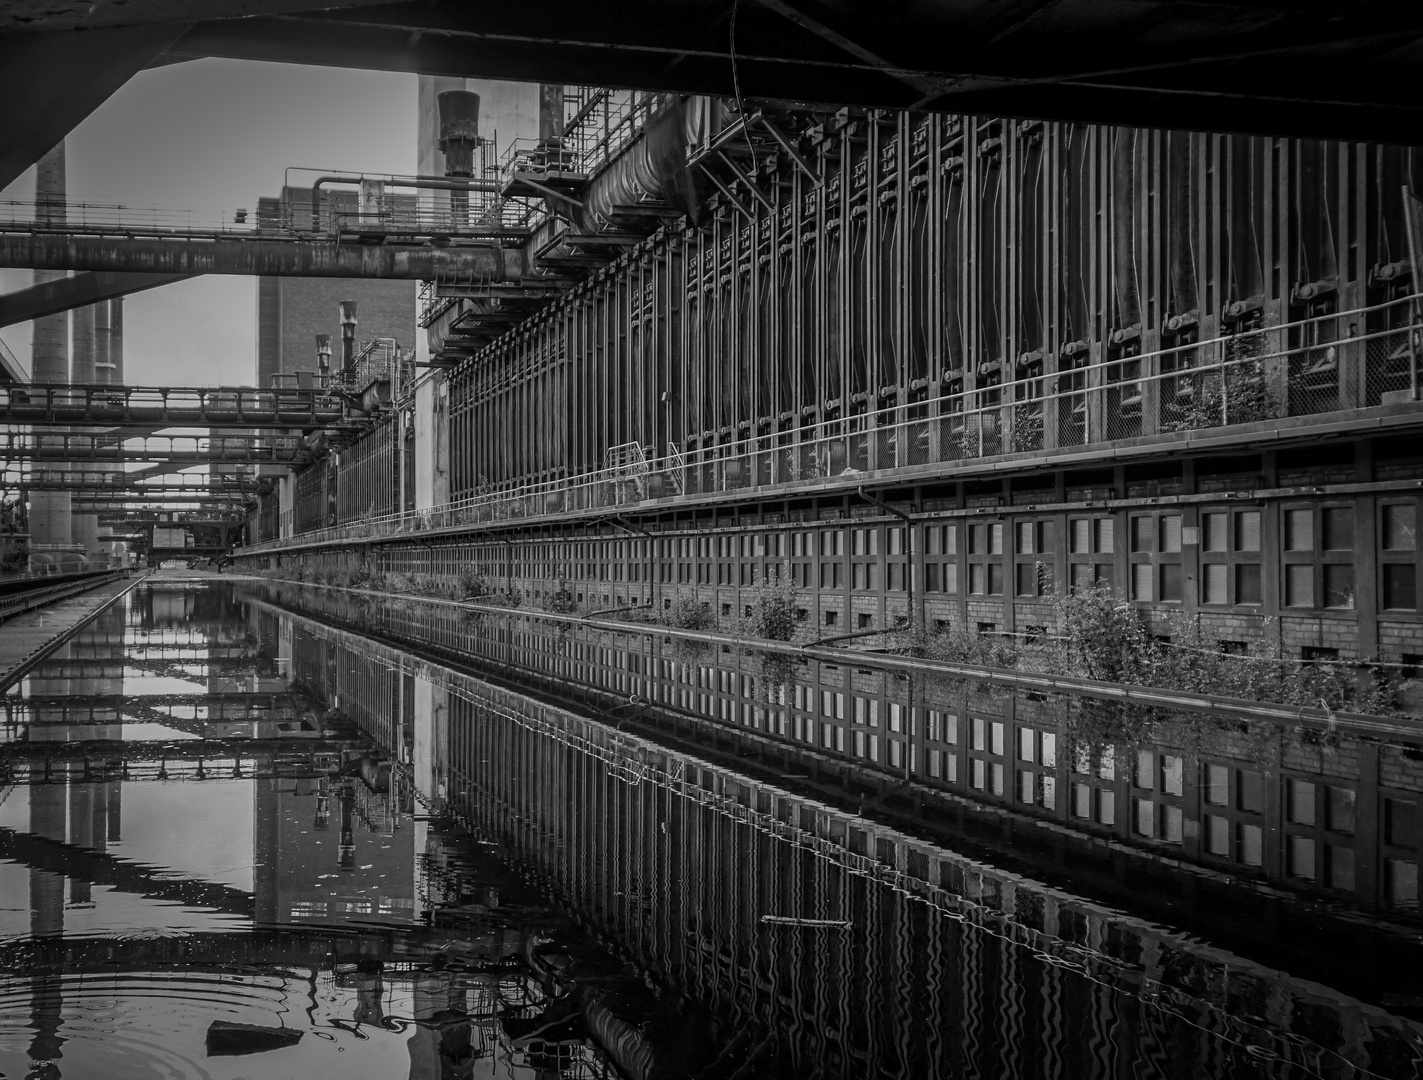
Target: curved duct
(655,165)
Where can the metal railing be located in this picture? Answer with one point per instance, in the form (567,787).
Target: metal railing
(29,599)
(1300,369)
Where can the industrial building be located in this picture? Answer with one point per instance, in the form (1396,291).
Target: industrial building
(796,540)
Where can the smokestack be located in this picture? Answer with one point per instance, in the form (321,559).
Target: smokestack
(348,334)
(459,130)
(50,521)
(116,340)
(323,357)
(102,367)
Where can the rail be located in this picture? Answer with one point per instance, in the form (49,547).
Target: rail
(1301,371)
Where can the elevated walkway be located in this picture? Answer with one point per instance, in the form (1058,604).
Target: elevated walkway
(82,447)
(150,407)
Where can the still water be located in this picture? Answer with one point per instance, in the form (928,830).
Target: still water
(242,837)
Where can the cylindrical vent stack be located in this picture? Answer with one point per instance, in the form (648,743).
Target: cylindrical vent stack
(459,130)
(49,363)
(348,334)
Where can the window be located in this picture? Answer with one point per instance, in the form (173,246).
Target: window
(1230,553)
(1338,528)
(1398,560)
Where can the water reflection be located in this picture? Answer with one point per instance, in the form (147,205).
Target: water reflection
(268,845)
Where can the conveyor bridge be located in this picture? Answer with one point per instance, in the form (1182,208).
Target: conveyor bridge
(150,407)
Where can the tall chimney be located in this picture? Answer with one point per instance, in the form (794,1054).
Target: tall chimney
(116,340)
(459,130)
(348,334)
(323,357)
(50,521)
(459,135)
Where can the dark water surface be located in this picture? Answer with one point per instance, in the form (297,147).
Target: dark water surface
(239,838)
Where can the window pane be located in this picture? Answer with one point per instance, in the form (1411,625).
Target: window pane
(1144,817)
(1213,582)
(1249,844)
(1339,529)
(951,539)
(1217,784)
(1170,820)
(1300,794)
(1299,530)
(1025,538)
(1081,538)
(1400,883)
(1172,775)
(1339,809)
(995,578)
(1145,769)
(1081,575)
(1141,581)
(1105,537)
(1141,533)
(1400,585)
(1247,583)
(1299,585)
(1106,807)
(1247,530)
(1212,532)
(1299,857)
(995,539)
(1338,585)
(1025,744)
(1399,528)
(1341,866)
(1171,533)
(1171,581)
(1250,791)
(977,579)
(1217,835)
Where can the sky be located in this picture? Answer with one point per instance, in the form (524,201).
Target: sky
(210,136)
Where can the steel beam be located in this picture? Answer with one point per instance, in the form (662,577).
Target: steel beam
(188,450)
(63,294)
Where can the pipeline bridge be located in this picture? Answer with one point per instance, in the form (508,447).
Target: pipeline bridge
(152,407)
(83,447)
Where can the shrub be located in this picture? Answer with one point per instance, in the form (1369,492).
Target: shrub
(561,601)
(689,613)
(471,583)
(773,608)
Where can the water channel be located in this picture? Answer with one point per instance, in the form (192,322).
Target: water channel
(251,829)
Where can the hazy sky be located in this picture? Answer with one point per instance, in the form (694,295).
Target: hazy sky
(210,136)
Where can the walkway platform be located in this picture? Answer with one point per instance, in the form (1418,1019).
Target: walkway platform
(27,637)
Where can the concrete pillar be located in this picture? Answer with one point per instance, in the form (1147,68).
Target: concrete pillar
(49,357)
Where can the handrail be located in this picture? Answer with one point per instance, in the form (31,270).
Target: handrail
(980,424)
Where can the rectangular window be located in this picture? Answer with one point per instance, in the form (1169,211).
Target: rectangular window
(1025,744)
(1217,785)
(1339,585)
(1247,583)
(1299,809)
(1338,529)
(1142,534)
(1249,844)
(976,539)
(1025,538)
(1400,586)
(1141,581)
(1171,581)
(1400,528)
(1081,537)
(1247,530)
(978,578)
(1299,857)
(1104,538)
(1250,791)
(1170,533)
(1299,585)
(1299,530)
(1213,581)
(1339,809)
(1172,775)
(995,538)
(995,578)
(1217,835)
(1213,532)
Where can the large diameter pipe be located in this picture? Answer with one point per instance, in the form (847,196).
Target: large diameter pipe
(278,258)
